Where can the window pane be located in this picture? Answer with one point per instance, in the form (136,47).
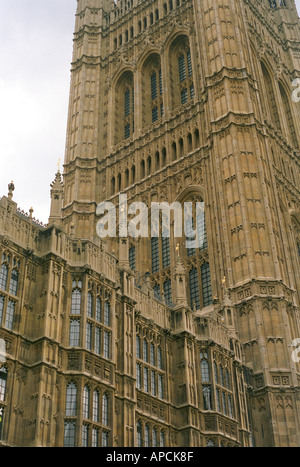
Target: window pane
(69,435)
(74,333)
(159,358)
(88,336)
(160,387)
(106,313)
(147,436)
(138,377)
(106,344)
(145,350)
(162,439)
(96,406)
(139,434)
(132,258)
(86,402)
(146,379)
(155,254)
(14,282)
(10,315)
(206,397)
(105,410)
(206,285)
(153,383)
(105,439)
(71,397)
(3,276)
(189,62)
(181,67)
(184,96)
(204,371)
(168,292)
(76,302)
(154,114)
(127,103)
(153,86)
(194,288)
(98,341)
(98,309)
(165,251)
(2,301)
(152,354)
(90,305)
(154,437)
(85,436)
(3,378)
(127,131)
(95,438)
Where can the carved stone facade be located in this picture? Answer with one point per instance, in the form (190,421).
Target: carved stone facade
(148,342)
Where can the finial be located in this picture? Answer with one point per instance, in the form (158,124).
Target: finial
(58,166)
(30,212)
(11,189)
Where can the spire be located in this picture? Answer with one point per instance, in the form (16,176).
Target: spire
(180,278)
(11,189)
(56,195)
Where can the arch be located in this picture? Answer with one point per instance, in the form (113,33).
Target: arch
(181,72)
(270,98)
(151,86)
(124,105)
(292,135)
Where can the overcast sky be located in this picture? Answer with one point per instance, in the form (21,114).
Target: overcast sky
(35,56)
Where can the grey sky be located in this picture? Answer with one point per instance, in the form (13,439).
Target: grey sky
(35,56)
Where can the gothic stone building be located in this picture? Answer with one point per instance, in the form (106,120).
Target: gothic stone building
(142,341)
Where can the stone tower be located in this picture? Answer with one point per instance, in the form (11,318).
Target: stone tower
(153,341)
(186,100)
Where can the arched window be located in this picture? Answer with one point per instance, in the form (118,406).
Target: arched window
(205,379)
(200,292)
(138,347)
(3,276)
(270,99)
(74,333)
(86,402)
(159,358)
(139,434)
(142,169)
(147,436)
(13,287)
(286,105)
(106,313)
(71,400)
(98,309)
(90,301)
(96,399)
(105,410)
(3,381)
(132,257)
(76,301)
(113,186)
(182,83)
(69,434)
(162,440)
(152,90)
(10,313)
(154,437)
(124,111)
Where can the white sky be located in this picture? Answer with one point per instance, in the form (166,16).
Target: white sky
(35,56)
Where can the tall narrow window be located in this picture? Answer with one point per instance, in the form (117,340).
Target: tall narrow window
(155,254)
(168,292)
(71,400)
(194,288)
(162,439)
(2,302)
(85,436)
(69,435)
(146,379)
(152,354)
(138,347)
(165,251)
(159,358)
(160,386)
(105,410)
(138,376)
(96,406)
(3,276)
(132,258)
(147,436)
(139,434)
(95,438)
(206,285)
(3,380)
(98,309)
(289,116)
(88,336)
(10,312)
(74,333)
(86,402)
(145,350)
(90,305)
(270,97)
(76,302)
(106,345)
(14,282)
(105,438)
(106,313)
(153,383)
(154,437)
